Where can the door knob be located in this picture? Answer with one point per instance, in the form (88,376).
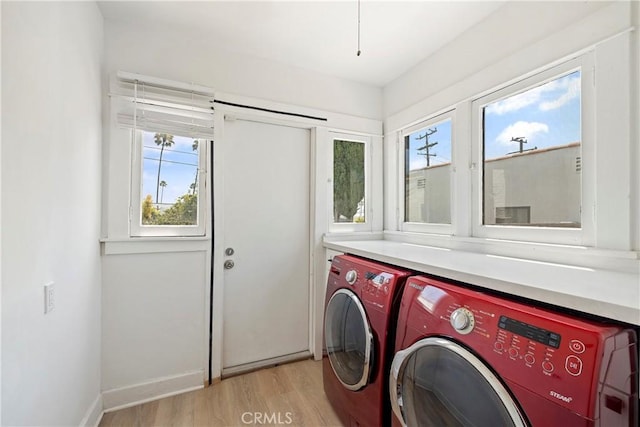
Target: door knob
(228,264)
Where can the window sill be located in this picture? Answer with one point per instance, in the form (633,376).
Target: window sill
(354,235)
(147,245)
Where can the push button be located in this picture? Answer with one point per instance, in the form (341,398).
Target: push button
(547,366)
(573,365)
(577,346)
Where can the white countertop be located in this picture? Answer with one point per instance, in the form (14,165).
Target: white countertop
(611,294)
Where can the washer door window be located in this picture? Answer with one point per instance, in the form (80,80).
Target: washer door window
(349,339)
(436,382)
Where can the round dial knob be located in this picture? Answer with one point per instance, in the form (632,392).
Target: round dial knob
(351,277)
(462,320)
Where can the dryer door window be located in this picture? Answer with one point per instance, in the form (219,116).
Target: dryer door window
(436,382)
(349,339)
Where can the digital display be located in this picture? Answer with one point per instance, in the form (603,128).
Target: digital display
(531,332)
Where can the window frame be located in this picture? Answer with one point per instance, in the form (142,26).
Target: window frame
(137,229)
(418,227)
(367,225)
(577,236)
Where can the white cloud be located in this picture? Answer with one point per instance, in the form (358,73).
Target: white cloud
(569,87)
(516,102)
(521,129)
(572,90)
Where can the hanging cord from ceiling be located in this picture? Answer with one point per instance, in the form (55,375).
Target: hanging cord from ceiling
(358,54)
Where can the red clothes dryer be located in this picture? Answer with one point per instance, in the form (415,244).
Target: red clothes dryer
(361,307)
(466,358)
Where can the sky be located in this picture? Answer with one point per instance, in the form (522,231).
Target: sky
(546,115)
(179,167)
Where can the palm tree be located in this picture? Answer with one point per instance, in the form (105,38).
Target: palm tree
(163,140)
(163,184)
(194,184)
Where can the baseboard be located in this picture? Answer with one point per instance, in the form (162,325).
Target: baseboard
(94,414)
(214,381)
(125,397)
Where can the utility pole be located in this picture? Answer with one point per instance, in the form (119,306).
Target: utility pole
(521,140)
(427,146)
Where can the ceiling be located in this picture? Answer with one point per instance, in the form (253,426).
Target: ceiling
(321,36)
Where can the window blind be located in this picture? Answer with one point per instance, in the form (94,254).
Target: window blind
(158,105)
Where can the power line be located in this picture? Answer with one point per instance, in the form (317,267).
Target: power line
(170,161)
(151,147)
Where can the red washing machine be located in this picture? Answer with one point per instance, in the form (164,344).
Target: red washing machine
(360,312)
(465,358)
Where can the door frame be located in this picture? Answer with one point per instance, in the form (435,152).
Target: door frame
(216,208)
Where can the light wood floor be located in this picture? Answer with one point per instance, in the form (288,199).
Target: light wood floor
(293,392)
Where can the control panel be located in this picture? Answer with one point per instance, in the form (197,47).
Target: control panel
(537,348)
(525,345)
(373,282)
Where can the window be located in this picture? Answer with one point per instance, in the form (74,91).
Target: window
(531,144)
(171,124)
(348,181)
(171,166)
(427,174)
(530,141)
(350,186)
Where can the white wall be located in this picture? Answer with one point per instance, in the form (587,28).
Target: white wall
(51,103)
(508,181)
(153,324)
(189,58)
(506,32)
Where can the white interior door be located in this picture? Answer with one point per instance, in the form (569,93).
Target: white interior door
(266,223)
